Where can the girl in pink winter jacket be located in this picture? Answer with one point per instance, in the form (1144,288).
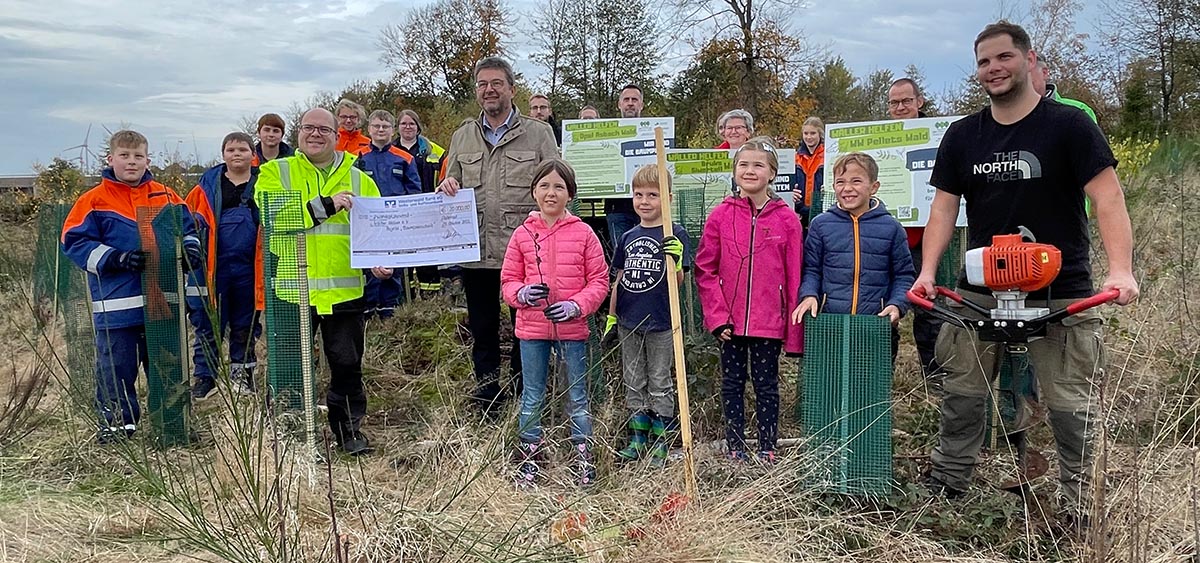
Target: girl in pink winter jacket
(554,274)
(748,272)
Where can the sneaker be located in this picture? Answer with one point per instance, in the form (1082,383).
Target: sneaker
(767,457)
(586,465)
(243,380)
(113,434)
(203,388)
(527,457)
(356,445)
(737,456)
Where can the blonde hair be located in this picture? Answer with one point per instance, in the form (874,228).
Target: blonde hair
(346,103)
(814,121)
(384,115)
(761,144)
(860,159)
(647,175)
(127,139)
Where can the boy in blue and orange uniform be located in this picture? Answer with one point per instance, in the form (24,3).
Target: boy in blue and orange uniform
(395,172)
(270,140)
(227,221)
(101,236)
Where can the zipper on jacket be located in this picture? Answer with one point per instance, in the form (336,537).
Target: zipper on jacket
(857,264)
(750,266)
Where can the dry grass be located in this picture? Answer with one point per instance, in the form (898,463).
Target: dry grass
(439,488)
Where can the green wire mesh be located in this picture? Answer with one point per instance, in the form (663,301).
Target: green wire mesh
(951,264)
(289,340)
(847,383)
(168,400)
(691,208)
(60,288)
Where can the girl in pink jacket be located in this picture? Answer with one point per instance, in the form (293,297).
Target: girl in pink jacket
(748,273)
(554,274)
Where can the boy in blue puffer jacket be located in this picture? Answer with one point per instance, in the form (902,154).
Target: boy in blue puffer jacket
(856,258)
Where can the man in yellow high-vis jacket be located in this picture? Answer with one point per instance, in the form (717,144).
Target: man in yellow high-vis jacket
(327,183)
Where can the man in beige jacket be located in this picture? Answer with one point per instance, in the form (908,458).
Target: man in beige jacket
(496,154)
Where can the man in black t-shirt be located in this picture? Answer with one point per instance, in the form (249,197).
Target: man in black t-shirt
(1025,161)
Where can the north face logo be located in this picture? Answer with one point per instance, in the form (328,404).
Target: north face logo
(1007,166)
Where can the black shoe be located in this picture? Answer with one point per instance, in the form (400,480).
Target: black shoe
(356,445)
(203,388)
(937,488)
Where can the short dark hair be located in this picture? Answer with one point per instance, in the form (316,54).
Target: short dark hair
(271,119)
(237,137)
(498,64)
(631,86)
(563,169)
(1020,37)
(906,80)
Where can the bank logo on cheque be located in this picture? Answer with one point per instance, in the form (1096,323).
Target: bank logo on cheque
(1008,166)
(643,265)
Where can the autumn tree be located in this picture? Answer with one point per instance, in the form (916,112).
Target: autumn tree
(433,53)
(589,49)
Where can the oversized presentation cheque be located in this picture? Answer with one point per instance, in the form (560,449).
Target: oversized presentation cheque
(414,230)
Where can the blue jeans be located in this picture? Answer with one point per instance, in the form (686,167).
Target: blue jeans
(535,362)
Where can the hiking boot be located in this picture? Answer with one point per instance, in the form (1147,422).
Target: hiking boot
(356,444)
(937,488)
(662,442)
(527,456)
(203,388)
(243,380)
(585,470)
(639,425)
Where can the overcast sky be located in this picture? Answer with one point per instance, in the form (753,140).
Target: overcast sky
(185,73)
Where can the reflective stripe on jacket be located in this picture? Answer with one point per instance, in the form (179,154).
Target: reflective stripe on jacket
(290,194)
(101,226)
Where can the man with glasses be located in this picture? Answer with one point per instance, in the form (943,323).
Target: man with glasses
(496,154)
(539,109)
(350,117)
(618,211)
(326,182)
(905,102)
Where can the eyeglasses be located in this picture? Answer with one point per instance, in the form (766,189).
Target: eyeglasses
(495,84)
(309,129)
(381,126)
(734,128)
(347,117)
(901,102)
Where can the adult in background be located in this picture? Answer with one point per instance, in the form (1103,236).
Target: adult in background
(428,157)
(1026,161)
(810,167)
(589,112)
(270,144)
(496,154)
(735,127)
(905,102)
(327,183)
(539,109)
(1039,78)
(618,211)
(350,117)
(395,174)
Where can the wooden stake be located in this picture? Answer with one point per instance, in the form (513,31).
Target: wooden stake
(685,416)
